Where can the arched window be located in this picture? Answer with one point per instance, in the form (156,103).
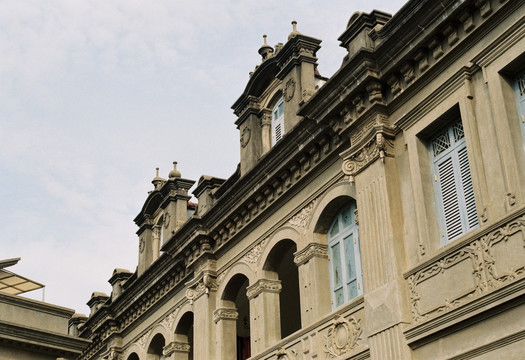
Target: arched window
(345,260)
(277,121)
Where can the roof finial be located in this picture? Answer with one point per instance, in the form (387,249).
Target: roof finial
(294,30)
(266,50)
(174,173)
(157,180)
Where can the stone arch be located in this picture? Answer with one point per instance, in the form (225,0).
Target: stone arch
(279,266)
(132,356)
(184,335)
(237,268)
(327,207)
(156,346)
(285,232)
(134,352)
(233,317)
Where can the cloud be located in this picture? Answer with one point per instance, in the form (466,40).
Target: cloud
(95,94)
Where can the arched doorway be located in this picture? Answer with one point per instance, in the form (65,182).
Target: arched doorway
(280,261)
(236,302)
(133,356)
(184,337)
(156,347)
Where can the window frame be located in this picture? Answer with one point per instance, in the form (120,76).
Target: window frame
(340,239)
(278,121)
(457,211)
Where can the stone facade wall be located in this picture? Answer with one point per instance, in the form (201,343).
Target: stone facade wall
(252,272)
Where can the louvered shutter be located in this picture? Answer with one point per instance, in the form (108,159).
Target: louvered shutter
(449,198)
(471,217)
(277,122)
(453,183)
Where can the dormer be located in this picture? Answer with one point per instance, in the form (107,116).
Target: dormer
(164,212)
(267,109)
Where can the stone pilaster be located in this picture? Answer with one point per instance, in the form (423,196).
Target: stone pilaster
(176,350)
(312,263)
(264,304)
(226,320)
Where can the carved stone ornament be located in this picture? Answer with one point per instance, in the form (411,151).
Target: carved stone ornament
(225,314)
(310,251)
(114,355)
(166,220)
(479,267)
(303,217)
(207,283)
(263,285)
(289,90)
(283,354)
(343,336)
(245,136)
(377,148)
(144,339)
(169,320)
(255,253)
(176,346)
(142,244)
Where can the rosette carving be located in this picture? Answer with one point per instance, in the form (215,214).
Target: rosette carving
(343,336)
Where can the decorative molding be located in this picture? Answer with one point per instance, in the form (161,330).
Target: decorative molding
(203,286)
(142,244)
(246,134)
(283,354)
(263,285)
(302,218)
(255,253)
(176,346)
(142,341)
(169,320)
(310,251)
(289,90)
(378,147)
(485,262)
(343,336)
(225,314)
(166,220)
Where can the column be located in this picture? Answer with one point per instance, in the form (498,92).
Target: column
(226,320)
(266,319)
(314,280)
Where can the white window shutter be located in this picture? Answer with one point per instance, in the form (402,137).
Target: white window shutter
(449,198)
(471,217)
(453,183)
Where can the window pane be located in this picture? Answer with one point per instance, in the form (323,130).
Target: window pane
(350,257)
(352,289)
(334,230)
(339,297)
(336,266)
(348,217)
(281,108)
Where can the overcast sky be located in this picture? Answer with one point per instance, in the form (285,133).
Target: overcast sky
(95,94)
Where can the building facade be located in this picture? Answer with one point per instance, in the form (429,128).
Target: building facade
(376,214)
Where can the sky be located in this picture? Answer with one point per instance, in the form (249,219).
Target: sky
(96,94)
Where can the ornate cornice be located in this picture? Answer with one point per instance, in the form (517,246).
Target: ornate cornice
(309,252)
(176,347)
(377,145)
(225,314)
(263,285)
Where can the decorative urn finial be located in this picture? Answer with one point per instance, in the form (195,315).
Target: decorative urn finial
(174,173)
(294,30)
(266,50)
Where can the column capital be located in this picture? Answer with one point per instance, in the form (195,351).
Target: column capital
(310,251)
(225,314)
(263,285)
(176,347)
